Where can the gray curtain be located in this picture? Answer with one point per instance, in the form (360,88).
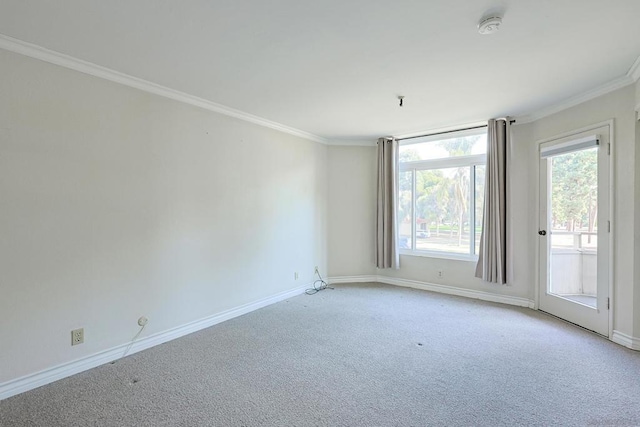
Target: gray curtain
(492,261)
(387,255)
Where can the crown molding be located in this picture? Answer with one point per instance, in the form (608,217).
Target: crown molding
(34,51)
(354,142)
(632,76)
(634,71)
(576,100)
(37,52)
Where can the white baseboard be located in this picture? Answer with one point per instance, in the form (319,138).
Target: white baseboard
(444,289)
(31,381)
(626,340)
(353,279)
(618,337)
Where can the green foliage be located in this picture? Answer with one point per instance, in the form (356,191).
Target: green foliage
(442,195)
(574,184)
(409,156)
(404,196)
(432,195)
(459,146)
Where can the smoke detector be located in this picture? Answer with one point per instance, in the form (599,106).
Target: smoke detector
(489,25)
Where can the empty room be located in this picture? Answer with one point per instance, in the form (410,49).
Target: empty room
(319,213)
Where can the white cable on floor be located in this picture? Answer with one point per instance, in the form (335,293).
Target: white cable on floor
(126,350)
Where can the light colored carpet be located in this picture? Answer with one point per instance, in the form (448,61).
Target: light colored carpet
(359,355)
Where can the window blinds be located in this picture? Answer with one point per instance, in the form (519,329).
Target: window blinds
(555,149)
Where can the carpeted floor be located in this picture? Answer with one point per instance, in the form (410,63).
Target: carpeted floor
(359,355)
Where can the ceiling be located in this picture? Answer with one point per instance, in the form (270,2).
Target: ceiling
(335,68)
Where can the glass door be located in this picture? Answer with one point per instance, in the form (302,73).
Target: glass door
(574,229)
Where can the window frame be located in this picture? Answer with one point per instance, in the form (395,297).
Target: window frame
(469,161)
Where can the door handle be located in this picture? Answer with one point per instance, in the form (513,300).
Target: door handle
(542,232)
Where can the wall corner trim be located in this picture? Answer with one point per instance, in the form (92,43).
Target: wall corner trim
(443,289)
(31,381)
(37,52)
(626,340)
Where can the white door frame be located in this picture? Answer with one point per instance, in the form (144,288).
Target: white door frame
(534,230)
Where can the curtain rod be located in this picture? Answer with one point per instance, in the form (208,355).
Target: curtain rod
(448,131)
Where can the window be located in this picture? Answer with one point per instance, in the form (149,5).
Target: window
(441,194)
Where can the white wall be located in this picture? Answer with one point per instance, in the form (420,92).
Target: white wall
(617,105)
(115,203)
(352,210)
(352,186)
(522,210)
(461,274)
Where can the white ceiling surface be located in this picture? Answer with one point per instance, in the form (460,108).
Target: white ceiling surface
(334,68)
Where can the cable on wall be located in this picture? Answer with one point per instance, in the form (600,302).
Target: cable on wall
(133,340)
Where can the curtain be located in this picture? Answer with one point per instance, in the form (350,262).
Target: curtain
(492,260)
(387,255)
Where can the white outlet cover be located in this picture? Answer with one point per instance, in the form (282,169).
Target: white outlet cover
(77,336)
(142,321)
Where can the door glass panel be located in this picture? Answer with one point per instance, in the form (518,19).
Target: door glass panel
(573,204)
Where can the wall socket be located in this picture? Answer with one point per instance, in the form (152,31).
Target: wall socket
(440,273)
(77,336)
(316,271)
(295,275)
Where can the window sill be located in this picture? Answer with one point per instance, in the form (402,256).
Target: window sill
(440,255)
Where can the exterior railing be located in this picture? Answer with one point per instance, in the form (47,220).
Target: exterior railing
(573,262)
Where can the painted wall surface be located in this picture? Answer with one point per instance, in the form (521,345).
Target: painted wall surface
(522,210)
(461,274)
(115,203)
(619,106)
(352,210)
(352,187)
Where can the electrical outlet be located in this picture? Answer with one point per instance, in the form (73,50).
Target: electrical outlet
(77,336)
(316,270)
(295,275)
(440,273)
(142,321)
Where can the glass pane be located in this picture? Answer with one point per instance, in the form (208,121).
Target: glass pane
(442,210)
(574,211)
(446,147)
(480,174)
(405,214)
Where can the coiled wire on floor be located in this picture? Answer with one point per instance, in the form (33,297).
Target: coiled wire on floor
(318,285)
